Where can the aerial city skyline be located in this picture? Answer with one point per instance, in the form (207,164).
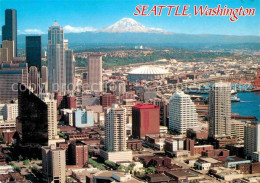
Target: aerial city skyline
(96,108)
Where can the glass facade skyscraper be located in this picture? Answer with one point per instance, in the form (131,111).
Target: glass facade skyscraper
(9,30)
(33,51)
(32,123)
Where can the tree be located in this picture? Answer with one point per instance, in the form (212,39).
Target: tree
(8,158)
(150,170)
(26,162)
(20,157)
(17,169)
(110,163)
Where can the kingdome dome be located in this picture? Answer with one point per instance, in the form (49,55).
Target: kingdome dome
(148,70)
(147,73)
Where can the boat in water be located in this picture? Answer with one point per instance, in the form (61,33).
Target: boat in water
(256,83)
(234,98)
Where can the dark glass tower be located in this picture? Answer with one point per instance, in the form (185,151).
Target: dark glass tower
(9,30)
(32,123)
(33,51)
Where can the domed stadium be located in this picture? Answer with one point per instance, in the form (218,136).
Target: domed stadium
(148,73)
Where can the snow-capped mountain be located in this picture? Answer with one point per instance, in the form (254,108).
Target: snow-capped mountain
(130,25)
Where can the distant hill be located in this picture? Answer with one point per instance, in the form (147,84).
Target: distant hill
(89,38)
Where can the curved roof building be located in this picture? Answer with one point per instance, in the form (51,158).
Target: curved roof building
(147,72)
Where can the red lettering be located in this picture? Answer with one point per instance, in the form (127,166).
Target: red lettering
(144,10)
(170,9)
(138,10)
(185,8)
(160,9)
(176,11)
(153,10)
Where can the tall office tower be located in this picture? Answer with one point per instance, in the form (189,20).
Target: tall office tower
(9,30)
(182,113)
(51,103)
(70,69)
(34,79)
(9,45)
(44,79)
(108,99)
(95,72)
(252,139)
(163,103)
(115,128)
(220,110)
(32,123)
(37,121)
(34,51)
(60,61)
(10,76)
(3,55)
(78,154)
(54,164)
(55,59)
(146,120)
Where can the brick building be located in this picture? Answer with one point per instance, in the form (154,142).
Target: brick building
(78,154)
(249,168)
(134,144)
(146,120)
(108,99)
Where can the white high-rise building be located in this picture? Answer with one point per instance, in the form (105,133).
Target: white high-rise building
(55,55)
(220,110)
(182,113)
(115,128)
(52,115)
(95,72)
(60,59)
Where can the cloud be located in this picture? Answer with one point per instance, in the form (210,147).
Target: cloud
(32,31)
(70,29)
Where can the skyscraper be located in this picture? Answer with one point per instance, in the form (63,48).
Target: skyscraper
(44,79)
(54,164)
(220,110)
(10,76)
(182,113)
(252,139)
(146,120)
(9,30)
(115,128)
(37,120)
(70,71)
(33,51)
(95,72)
(34,79)
(32,123)
(52,115)
(9,45)
(60,61)
(56,62)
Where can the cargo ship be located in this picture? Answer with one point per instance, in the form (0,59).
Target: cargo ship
(256,83)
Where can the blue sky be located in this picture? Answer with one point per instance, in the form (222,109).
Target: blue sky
(80,15)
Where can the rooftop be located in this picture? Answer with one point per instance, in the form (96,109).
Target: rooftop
(145,106)
(148,69)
